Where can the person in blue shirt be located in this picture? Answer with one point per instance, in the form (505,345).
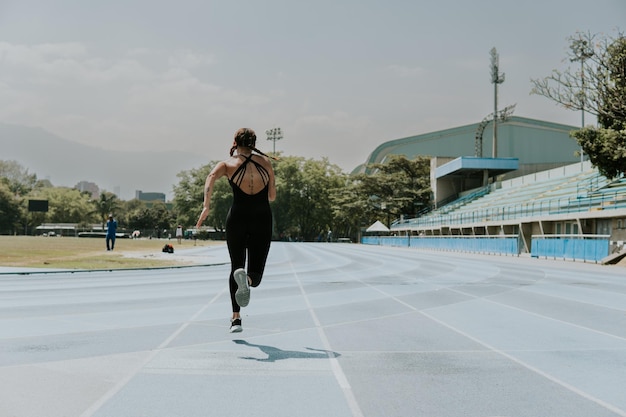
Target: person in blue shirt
(111,230)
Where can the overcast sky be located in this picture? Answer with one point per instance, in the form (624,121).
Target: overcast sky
(338,76)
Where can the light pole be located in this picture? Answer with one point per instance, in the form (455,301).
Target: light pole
(496,78)
(582,51)
(274,134)
(503,116)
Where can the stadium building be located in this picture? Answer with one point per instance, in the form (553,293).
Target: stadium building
(533,196)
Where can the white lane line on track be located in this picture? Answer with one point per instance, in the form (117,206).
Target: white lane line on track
(542,316)
(124,381)
(340,376)
(531,368)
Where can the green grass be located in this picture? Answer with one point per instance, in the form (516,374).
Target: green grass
(87,253)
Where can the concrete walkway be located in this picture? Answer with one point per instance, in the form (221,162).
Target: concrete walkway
(333,330)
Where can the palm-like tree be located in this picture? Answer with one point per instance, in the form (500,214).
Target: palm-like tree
(106,205)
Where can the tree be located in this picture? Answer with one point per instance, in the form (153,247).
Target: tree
(303,206)
(107,204)
(399,187)
(189,194)
(612,94)
(351,208)
(162,216)
(599,88)
(189,197)
(9,209)
(66,205)
(17,178)
(606,149)
(221,200)
(142,219)
(130,210)
(403,184)
(154,216)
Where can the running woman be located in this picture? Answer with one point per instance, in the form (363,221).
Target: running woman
(249,220)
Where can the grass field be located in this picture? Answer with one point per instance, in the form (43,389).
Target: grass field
(86,253)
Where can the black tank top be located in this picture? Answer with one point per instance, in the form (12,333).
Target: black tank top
(241,198)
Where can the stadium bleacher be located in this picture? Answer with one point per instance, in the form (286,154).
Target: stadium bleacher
(551,192)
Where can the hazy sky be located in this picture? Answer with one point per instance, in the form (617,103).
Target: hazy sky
(338,76)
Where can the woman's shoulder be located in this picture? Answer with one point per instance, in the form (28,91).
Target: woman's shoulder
(262,159)
(231,162)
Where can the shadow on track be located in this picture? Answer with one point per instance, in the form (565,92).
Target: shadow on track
(274,354)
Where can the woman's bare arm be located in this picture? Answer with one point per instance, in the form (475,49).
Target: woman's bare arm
(216,173)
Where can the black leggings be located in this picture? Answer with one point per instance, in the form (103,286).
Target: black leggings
(248,235)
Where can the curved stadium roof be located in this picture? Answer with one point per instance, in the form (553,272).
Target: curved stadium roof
(531,141)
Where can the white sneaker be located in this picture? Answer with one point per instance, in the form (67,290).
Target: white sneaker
(235,326)
(242,295)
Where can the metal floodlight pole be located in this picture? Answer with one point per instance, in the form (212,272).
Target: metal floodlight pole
(503,116)
(496,78)
(582,51)
(274,134)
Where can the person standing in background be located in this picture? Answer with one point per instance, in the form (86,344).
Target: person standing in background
(111,231)
(179,233)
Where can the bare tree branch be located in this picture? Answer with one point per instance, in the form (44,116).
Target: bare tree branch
(588,84)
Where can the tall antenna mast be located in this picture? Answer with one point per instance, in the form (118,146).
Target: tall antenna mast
(496,78)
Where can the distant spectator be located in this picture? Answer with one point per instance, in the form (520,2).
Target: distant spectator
(111,230)
(179,233)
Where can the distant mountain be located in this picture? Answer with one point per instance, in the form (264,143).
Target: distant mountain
(65,163)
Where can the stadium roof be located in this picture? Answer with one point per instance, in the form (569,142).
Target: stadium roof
(469,166)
